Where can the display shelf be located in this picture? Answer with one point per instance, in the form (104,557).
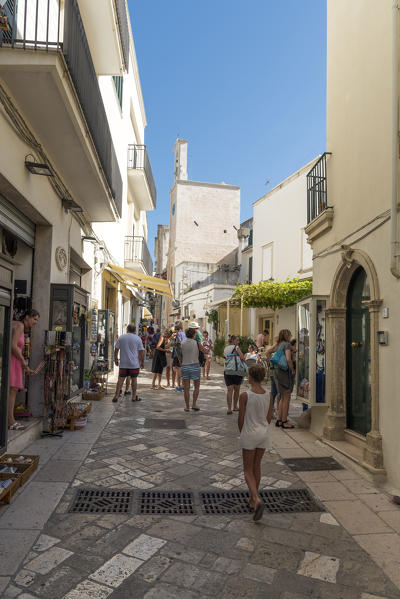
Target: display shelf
(25,467)
(6,494)
(75,411)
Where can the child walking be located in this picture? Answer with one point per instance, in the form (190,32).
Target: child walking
(255,414)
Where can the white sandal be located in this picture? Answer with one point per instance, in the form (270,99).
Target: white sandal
(17,427)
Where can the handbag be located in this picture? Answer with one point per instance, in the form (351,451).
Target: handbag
(234,365)
(279,359)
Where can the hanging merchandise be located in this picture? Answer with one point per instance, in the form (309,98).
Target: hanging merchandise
(56,381)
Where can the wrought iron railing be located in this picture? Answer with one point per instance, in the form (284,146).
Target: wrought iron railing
(138,158)
(136,250)
(317,189)
(45,25)
(120,6)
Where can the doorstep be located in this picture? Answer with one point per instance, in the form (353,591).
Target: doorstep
(18,440)
(355,454)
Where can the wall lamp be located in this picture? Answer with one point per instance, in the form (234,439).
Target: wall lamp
(37,168)
(71,205)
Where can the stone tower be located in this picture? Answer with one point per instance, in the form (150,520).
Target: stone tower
(180,167)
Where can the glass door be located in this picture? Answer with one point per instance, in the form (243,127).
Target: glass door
(303,351)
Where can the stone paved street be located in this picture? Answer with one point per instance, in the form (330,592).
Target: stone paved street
(351,551)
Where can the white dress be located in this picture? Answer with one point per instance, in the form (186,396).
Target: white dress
(255,427)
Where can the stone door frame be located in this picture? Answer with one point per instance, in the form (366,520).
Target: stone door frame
(335,421)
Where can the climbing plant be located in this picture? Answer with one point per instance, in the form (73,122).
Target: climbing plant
(212,316)
(273,294)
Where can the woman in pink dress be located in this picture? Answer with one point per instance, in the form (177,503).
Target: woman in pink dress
(18,364)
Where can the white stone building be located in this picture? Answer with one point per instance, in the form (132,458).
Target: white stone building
(204,219)
(280,248)
(75,179)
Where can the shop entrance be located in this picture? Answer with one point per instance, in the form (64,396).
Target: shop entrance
(6,288)
(358,351)
(267,324)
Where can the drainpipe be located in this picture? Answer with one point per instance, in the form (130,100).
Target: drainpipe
(394,234)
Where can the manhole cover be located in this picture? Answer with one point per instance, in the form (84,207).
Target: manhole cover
(309,464)
(102,501)
(167,502)
(276,501)
(164,423)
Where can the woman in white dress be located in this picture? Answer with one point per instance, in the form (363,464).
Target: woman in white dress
(255,414)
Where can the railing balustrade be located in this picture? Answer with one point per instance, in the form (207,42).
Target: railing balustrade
(138,158)
(317,189)
(136,250)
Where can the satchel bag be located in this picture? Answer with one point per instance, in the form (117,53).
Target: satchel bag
(279,359)
(234,365)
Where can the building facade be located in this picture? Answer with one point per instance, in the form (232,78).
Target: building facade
(75,178)
(202,256)
(354,232)
(280,250)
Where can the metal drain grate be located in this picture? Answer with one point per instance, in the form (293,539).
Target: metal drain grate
(167,502)
(167,423)
(310,464)
(102,501)
(277,501)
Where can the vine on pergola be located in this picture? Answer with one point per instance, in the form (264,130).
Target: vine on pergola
(273,294)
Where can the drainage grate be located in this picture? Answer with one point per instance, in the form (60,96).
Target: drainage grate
(277,501)
(102,501)
(164,423)
(310,464)
(167,502)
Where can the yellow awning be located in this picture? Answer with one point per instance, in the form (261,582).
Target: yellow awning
(147,314)
(142,281)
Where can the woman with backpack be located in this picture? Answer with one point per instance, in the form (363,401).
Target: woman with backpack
(190,369)
(234,371)
(284,373)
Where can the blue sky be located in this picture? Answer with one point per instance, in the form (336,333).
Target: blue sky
(244,83)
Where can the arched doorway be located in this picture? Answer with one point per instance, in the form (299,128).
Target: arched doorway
(358,353)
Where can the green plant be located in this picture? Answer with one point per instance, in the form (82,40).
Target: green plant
(244,343)
(273,294)
(213,318)
(219,346)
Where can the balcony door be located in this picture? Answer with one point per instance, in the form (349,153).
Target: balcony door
(358,395)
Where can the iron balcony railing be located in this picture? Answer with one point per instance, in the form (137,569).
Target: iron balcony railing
(138,158)
(46,25)
(136,250)
(317,189)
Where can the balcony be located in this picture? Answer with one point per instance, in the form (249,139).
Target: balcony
(140,178)
(107,30)
(319,214)
(47,66)
(137,255)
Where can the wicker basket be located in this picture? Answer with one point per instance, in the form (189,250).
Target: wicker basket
(6,494)
(24,469)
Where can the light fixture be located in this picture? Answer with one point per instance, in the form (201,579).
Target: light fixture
(37,168)
(71,205)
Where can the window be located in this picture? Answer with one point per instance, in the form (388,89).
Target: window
(173,209)
(250,240)
(119,84)
(267,262)
(250,274)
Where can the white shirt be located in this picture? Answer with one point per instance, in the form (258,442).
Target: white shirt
(129,346)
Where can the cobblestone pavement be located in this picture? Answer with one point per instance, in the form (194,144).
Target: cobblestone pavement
(351,551)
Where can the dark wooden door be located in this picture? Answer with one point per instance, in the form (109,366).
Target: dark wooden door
(358,397)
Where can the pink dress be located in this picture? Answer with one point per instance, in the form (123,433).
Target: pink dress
(16,379)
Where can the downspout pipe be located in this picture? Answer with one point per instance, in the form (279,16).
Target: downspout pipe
(394,230)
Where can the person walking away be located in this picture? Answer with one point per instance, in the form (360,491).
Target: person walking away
(131,350)
(255,414)
(208,347)
(262,339)
(159,362)
(177,356)
(191,368)
(199,338)
(233,381)
(168,356)
(284,377)
(18,364)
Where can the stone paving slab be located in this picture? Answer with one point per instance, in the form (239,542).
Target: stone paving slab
(349,552)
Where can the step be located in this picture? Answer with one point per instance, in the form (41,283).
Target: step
(18,440)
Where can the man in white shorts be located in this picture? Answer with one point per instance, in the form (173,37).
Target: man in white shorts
(131,360)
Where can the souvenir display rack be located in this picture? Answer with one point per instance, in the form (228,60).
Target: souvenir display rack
(56,381)
(98,380)
(76,414)
(15,470)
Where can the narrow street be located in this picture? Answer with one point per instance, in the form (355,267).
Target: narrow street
(54,553)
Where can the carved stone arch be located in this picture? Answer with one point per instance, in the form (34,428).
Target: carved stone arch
(335,422)
(351,260)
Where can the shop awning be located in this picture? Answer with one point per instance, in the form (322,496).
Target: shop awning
(142,281)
